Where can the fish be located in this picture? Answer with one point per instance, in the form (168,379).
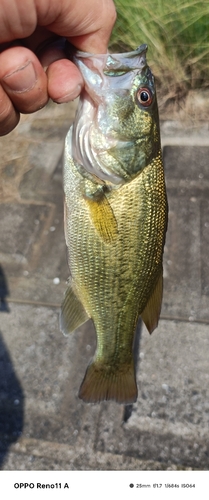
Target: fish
(115,217)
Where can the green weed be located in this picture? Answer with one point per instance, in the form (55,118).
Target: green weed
(177,35)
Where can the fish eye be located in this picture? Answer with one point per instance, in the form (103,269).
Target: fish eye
(144,97)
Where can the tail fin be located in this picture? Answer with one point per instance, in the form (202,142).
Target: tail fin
(103,384)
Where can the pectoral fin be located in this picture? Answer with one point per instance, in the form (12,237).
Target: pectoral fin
(151,313)
(72,313)
(103,218)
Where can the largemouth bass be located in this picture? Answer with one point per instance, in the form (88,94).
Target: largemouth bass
(115,217)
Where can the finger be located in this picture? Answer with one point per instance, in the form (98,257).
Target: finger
(50,51)
(23,79)
(87,25)
(65,81)
(9,117)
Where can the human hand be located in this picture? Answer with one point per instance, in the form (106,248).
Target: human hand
(33,65)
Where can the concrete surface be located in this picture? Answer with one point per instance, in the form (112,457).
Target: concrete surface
(43,425)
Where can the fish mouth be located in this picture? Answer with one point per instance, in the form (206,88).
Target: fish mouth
(130,54)
(110,64)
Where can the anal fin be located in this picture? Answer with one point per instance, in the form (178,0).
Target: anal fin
(102,217)
(72,313)
(151,313)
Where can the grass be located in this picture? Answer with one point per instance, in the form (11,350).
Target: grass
(177,35)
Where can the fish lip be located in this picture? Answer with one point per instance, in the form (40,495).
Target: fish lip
(109,60)
(139,50)
(124,61)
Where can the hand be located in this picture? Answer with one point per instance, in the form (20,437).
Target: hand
(33,65)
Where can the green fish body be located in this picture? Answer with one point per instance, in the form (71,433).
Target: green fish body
(115,217)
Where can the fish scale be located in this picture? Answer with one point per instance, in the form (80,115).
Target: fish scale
(103,272)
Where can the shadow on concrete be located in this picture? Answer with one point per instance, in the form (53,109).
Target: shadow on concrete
(11,403)
(4,292)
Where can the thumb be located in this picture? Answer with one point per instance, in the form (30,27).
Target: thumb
(87,25)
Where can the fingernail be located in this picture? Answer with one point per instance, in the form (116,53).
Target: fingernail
(22,79)
(71,96)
